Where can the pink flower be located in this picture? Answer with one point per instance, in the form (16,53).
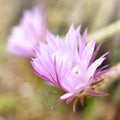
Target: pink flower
(31,30)
(69,65)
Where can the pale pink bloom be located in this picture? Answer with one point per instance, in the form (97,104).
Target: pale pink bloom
(69,65)
(28,33)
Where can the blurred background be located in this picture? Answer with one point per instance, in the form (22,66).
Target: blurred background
(24,96)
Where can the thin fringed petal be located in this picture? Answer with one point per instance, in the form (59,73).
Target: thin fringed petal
(71,39)
(105,54)
(74,105)
(36,70)
(102,68)
(81,42)
(78,35)
(97,82)
(88,52)
(85,35)
(56,73)
(78,30)
(98,74)
(94,66)
(95,53)
(69,99)
(94,93)
(82,101)
(56,103)
(65,96)
(80,87)
(69,34)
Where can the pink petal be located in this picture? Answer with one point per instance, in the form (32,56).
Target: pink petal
(105,54)
(56,103)
(85,34)
(94,93)
(79,87)
(74,105)
(82,100)
(56,73)
(93,67)
(69,99)
(97,82)
(95,53)
(65,96)
(88,52)
(36,71)
(102,68)
(98,74)
(78,36)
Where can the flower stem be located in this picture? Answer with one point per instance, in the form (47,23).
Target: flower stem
(106,32)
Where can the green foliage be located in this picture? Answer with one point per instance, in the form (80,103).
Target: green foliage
(7,103)
(89,107)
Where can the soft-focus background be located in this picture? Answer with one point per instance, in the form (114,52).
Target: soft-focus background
(24,96)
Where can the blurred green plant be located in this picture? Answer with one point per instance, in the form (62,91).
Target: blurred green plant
(105,32)
(7,103)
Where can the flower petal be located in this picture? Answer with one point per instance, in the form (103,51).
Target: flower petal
(88,52)
(95,53)
(93,67)
(94,93)
(56,103)
(65,96)
(69,99)
(82,100)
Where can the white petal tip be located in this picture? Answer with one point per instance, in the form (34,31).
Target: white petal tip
(65,96)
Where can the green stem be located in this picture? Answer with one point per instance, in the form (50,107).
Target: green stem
(106,32)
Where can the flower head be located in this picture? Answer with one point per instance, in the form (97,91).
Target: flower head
(31,30)
(70,65)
